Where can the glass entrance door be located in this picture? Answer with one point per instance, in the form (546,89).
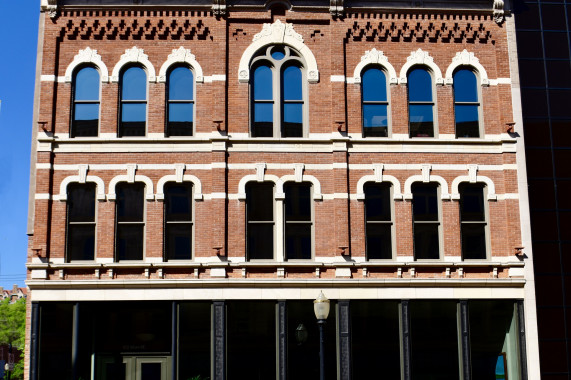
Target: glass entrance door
(133,368)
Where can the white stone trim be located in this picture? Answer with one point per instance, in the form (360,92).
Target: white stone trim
(42,196)
(185,178)
(305,178)
(337,78)
(87,56)
(375,57)
(100,186)
(431,178)
(465,58)
(397,194)
(466,178)
(255,178)
(181,55)
(134,55)
(420,57)
(278,33)
(125,178)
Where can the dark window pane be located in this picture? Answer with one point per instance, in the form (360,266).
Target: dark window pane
(465,86)
(134,84)
(81,242)
(539,163)
(563,191)
(544,225)
(178,202)
(260,241)
(292,83)
(194,340)
(263,120)
(426,245)
(87,84)
(278,53)
(293,120)
(559,101)
(553,17)
(434,340)
(558,73)
(129,244)
(375,342)
(527,15)
(472,203)
(251,340)
(85,128)
(537,133)
(421,119)
(178,241)
(473,241)
(419,86)
(531,73)
(529,45)
(297,202)
(377,202)
(260,202)
(556,45)
(425,202)
(541,194)
(180,128)
(467,124)
(534,102)
(378,244)
(81,203)
(181,84)
(298,241)
(375,117)
(151,371)
(374,86)
(562,158)
(263,83)
(130,203)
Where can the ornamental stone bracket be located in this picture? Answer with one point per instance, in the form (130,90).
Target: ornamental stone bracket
(50,6)
(219,8)
(336,8)
(499,13)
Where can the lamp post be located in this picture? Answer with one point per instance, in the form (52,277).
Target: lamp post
(321,309)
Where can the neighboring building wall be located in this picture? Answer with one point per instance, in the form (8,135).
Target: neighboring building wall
(221,159)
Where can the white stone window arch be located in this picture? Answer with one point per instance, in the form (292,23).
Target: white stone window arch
(134,56)
(256,178)
(491,188)
(379,177)
(179,177)
(181,56)
(426,177)
(465,58)
(315,184)
(87,57)
(131,177)
(421,58)
(375,57)
(99,185)
(276,34)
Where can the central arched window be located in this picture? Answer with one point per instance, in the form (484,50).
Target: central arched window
(420,103)
(133,113)
(375,103)
(278,107)
(180,102)
(466,103)
(85,113)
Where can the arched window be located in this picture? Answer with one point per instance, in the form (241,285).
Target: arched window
(178,221)
(260,221)
(473,221)
(85,108)
(277,93)
(133,113)
(180,102)
(80,236)
(420,103)
(378,221)
(130,221)
(426,217)
(298,220)
(375,103)
(466,103)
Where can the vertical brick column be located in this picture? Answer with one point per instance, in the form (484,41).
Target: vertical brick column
(341,195)
(218,188)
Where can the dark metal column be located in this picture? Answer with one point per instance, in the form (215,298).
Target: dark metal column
(522,342)
(75,342)
(405,339)
(34,340)
(174,340)
(219,341)
(282,340)
(344,340)
(465,339)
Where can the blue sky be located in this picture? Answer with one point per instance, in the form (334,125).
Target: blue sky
(18,46)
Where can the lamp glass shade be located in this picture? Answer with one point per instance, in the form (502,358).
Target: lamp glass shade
(321,306)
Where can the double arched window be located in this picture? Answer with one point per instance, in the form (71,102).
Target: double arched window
(85,108)
(277,92)
(133,102)
(420,103)
(466,103)
(180,102)
(375,103)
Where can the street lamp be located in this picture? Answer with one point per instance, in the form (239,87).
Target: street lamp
(321,309)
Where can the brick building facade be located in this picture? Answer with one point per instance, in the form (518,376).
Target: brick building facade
(202,170)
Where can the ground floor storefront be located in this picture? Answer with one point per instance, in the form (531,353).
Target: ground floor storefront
(278,339)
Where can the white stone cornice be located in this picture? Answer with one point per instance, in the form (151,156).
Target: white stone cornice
(134,55)
(181,55)
(87,56)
